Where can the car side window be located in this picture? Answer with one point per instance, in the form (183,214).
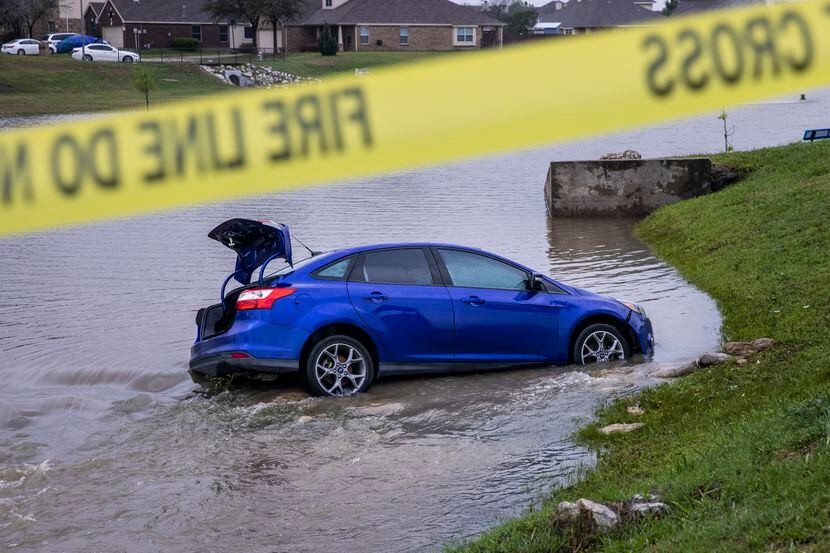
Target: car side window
(472,270)
(400,266)
(335,271)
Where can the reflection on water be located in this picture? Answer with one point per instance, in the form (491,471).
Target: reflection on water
(96,322)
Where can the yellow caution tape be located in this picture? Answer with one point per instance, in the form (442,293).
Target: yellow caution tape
(260,141)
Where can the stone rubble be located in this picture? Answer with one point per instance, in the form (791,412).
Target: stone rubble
(634,410)
(743,349)
(713,358)
(628,154)
(601,518)
(253,75)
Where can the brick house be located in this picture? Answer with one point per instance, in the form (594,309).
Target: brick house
(155,23)
(397,25)
(357,24)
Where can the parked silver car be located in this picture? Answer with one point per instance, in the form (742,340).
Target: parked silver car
(51,41)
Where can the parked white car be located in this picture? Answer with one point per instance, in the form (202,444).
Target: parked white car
(51,41)
(21,47)
(104,52)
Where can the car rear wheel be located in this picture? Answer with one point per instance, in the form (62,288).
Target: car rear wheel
(338,366)
(600,343)
(87,57)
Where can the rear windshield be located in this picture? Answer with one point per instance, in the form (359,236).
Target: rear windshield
(289,269)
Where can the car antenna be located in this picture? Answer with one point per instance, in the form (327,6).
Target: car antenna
(312,252)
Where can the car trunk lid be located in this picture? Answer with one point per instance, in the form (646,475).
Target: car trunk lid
(255,242)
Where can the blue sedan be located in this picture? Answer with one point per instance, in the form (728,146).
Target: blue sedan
(342,319)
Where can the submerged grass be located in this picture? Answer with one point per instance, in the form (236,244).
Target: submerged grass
(740,452)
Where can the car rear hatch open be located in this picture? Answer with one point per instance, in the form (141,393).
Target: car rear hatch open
(256,244)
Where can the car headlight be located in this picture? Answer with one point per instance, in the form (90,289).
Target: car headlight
(637,308)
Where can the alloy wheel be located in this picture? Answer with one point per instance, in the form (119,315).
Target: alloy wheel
(340,369)
(601,347)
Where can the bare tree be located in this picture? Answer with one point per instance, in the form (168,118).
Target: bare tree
(281,13)
(249,11)
(31,11)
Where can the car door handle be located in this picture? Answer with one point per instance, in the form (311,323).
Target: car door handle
(472,300)
(556,305)
(376,297)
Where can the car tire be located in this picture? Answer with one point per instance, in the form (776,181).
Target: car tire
(600,343)
(87,57)
(127,59)
(328,370)
(21,52)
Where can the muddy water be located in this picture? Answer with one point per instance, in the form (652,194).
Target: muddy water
(105,446)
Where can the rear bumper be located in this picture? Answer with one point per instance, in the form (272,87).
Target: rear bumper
(224,364)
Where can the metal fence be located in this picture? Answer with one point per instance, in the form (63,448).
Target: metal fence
(208,56)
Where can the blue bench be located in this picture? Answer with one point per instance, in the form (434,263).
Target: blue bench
(816,134)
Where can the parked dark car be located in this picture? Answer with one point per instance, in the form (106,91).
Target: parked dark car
(341,319)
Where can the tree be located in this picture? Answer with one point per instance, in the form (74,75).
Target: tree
(728,131)
(144,80)
(519,16)
(248,11)
(327,43)
(670,6)
(34,10)
(280,13)
(20,15)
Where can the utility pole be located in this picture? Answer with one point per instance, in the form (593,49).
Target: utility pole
(83,30)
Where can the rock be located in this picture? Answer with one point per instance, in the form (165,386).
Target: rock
(305,419)
(620,427)
(647,509)
(634,410)
(628,154)
(713,358)
(602,517)
(741,361)
(674,371)
(748,348)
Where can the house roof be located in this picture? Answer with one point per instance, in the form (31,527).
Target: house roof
(161,11)
(594,14)
(696,6)
(393,12)
(95,7)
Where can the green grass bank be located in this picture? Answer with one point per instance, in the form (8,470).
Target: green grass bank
(741,453)
(48,85)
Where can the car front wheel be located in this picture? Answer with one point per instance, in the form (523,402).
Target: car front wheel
(127,59)
(87,57)
(21,52)
(600,343)
(338,366)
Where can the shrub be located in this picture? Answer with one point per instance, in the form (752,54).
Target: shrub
(327,43)
(185,44)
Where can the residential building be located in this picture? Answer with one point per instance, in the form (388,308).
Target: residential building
(586,16)
(397,25)
(156,23)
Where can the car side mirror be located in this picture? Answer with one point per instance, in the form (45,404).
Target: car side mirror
(537,283)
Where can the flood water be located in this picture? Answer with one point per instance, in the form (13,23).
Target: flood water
(105,444)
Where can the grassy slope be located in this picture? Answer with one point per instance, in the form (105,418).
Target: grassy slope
(311,64)
(58,84)
(742,453)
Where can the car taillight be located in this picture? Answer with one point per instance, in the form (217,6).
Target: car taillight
(261,298)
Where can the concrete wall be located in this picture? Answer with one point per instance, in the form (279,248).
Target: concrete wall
(623,187)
